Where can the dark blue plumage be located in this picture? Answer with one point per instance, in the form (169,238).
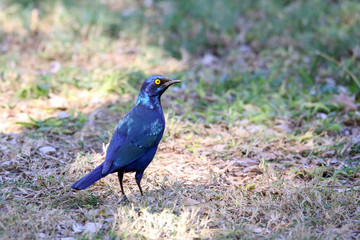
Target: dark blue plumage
(135,141)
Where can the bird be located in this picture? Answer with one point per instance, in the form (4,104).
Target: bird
(136,138)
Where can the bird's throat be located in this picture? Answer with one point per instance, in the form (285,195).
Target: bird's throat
(149,101)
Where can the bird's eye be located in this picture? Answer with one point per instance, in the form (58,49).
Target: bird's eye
(157,81)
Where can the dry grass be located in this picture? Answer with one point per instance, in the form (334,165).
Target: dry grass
(224,180)
(201,184)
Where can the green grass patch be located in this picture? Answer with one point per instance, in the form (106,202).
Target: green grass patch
(56,125)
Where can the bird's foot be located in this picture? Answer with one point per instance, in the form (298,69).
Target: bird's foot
(124,200)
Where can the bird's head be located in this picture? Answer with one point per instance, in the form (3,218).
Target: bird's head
(156,85)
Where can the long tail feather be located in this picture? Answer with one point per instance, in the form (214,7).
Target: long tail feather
(89,179)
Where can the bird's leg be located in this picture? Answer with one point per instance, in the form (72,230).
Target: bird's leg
(120,176)
(138,177)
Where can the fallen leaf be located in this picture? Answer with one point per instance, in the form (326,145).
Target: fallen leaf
(92,227)
(328,153)
(190,202)
(47,149)
(55,67)
(219,147)
(42,235)
(347,101)
(57,102)
(257,230)
(282,125)
(77,228)
(208,59)
(63,114)
(246,162)
(321,115)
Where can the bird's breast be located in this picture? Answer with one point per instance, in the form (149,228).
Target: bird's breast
(146,123)
(155,128)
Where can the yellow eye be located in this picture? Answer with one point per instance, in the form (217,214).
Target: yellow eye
(157,81)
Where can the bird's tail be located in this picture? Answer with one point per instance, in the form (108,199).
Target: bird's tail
(89,179)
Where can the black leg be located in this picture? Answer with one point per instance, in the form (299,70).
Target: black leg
(120,176)
(138,177)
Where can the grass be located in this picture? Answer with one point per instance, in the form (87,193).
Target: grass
(261,138)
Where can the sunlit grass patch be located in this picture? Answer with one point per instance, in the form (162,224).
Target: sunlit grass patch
(132,223)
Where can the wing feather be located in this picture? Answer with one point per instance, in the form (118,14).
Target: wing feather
(132,139)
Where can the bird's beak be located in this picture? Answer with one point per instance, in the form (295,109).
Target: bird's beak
(171,82)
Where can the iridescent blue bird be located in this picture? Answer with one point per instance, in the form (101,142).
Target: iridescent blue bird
(136,139)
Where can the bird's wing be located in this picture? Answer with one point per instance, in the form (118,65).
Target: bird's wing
(131,140)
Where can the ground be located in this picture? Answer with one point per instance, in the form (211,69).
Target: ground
(261,140)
